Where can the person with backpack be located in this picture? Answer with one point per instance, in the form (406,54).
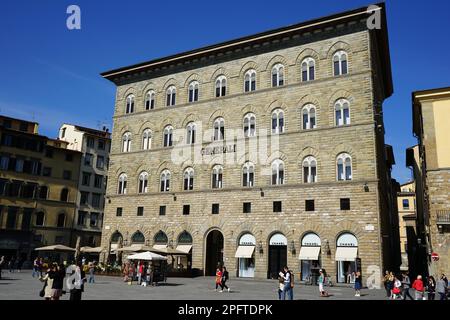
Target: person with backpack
(225,276)
(288,283)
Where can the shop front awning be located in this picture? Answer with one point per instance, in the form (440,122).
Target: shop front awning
(186,248)
(160,246)
(346,253)
(309,253)
(244,252)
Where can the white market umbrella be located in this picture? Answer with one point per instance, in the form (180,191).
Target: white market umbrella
(146,256)
(56,247)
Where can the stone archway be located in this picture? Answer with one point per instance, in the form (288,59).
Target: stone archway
(214,252)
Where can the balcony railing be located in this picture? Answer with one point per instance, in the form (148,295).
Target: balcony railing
(443,217)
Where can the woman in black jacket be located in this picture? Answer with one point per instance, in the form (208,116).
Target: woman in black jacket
(58,281)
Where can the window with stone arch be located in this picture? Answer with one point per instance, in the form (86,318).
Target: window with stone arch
(277,75)
(277,121)
(342,112)
(171,94)
(308,69)
(39,219)
(309,117)
(248,174)
(193,91)
(122,186)
(150,100)
(188,179)
(184,238)
(137,237)
(143,182)
(129,105)
(277,172)
(167,136)
(165,181)
(221,86)
(250,81)
(191,129)
(340,64)
(250,125)
(126,142)
(309,169)
(344,167)
(217,177)
(160,238)
(219,129)
(147,139)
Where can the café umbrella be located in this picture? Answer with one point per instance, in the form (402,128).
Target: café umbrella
(56,247)
(146,256)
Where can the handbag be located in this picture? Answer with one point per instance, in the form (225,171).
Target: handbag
(42,292)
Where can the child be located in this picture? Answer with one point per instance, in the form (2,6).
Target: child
(358,284)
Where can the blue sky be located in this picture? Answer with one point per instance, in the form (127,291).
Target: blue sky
(50,74)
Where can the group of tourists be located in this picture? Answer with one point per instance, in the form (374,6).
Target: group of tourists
(222,277)
(286,284)
(13,264)
(398,287)
(141,272)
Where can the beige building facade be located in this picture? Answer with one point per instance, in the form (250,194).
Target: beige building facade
(431,116)
(259,152)
(406,202)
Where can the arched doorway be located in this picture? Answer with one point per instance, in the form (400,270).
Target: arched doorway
(346,257)
(310,257)
(214,252)
(115,243)
(277,255)
(245,256)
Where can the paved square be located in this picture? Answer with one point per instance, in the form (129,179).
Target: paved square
(21,286)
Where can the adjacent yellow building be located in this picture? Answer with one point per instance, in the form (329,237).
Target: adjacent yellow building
(406,203)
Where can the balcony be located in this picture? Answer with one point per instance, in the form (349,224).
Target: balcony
(443,217)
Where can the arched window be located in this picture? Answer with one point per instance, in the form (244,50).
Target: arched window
(150,100)
(147,139)
(165,181)
(219,129)
(126,142)
(193,91)
(160,237)
(309,117)
(217,176)
(43,192)
(278,121)
(342,112)
(61,220)
(347,239)
(137,237)
(122,188)
(277,75)
(249,125)
(188,179)
(248,174)
(309,169)
(184,238)
(311,240)
(40,217)
(171,93)
(221,86)
(340,63)
(167,139)
(116,237)
(277,172)
(250,81)
(143,182)
(129,104)
(190,133)
(308,66)
(344,167)
(64,195)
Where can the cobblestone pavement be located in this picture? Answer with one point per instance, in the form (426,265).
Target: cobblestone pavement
(21,286)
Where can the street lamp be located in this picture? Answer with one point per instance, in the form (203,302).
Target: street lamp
(260,247)
(327,247)
(293,247)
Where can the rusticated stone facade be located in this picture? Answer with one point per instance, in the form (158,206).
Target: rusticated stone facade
(366,84)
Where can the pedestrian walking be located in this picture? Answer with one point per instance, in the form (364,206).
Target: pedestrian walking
(11,264)
(40,266)
(406,284)
(149,275)
(225,276)
(321,282)
(288,283)
(280,287)
(441,288)
(386,284)
(47,291)
(35,271)
(358,284)
(140,272)
(218,278)
(75,283)
(2,263)
(418,287)
(396,290)
(431,288)
(58,275)
(91,272)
